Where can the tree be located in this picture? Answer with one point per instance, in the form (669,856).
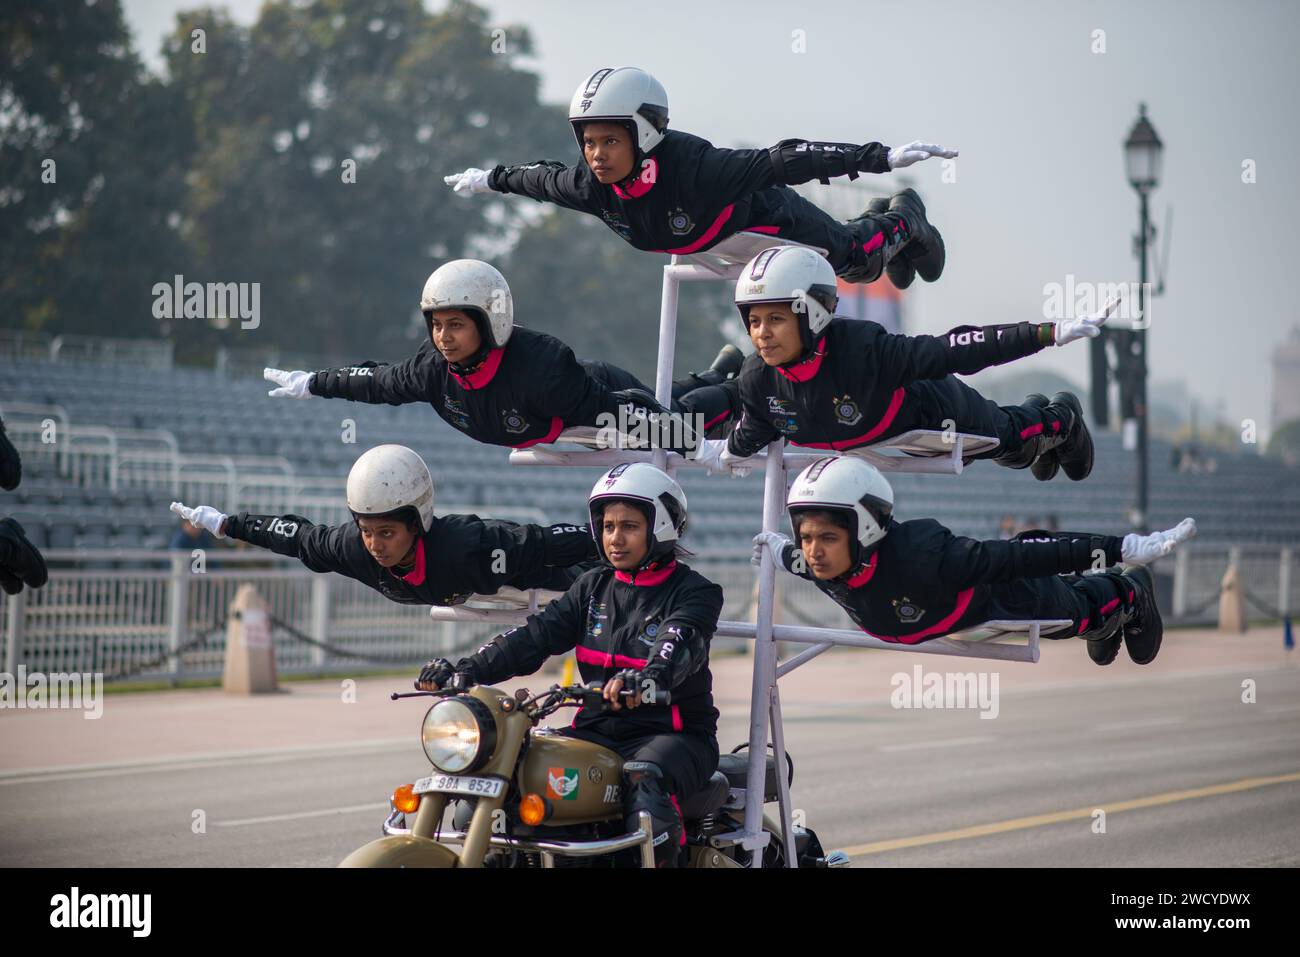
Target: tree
(91,156)
(323,133)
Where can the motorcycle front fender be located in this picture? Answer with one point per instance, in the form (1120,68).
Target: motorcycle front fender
(402,851)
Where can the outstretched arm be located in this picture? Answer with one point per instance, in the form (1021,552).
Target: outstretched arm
(373,382)
(968,349)
(322,548)
(547,181)
(794,161)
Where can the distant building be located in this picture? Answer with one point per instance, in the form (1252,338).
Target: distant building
(1286,379)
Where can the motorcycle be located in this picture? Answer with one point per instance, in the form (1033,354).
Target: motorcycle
(529,796)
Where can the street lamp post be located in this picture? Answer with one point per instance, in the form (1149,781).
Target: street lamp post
(1143,153)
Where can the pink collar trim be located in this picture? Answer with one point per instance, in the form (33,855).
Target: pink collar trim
(416,577)
(808,368)
(864,573)
(649,576)
(639,186)
(484,373)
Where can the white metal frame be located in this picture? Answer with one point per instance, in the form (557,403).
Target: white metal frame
(924,451)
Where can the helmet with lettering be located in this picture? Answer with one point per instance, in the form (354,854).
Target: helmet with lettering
(623,95)
(651,490)
(849,485)
(791,274)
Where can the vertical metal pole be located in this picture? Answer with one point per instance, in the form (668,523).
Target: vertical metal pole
(782,778)
(667,349)
(16,614)
(764,659)
(177,608)
(1140,372)
(320,617)
(1182,568)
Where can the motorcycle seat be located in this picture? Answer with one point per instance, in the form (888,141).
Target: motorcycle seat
(708,798)
(736,768)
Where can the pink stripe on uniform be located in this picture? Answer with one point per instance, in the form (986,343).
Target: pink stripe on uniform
(709,235)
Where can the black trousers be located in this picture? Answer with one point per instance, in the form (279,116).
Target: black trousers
(950,403)
(801,221)
(719,405)
(1087,600)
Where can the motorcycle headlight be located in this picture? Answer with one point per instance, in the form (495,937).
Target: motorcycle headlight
(458,734)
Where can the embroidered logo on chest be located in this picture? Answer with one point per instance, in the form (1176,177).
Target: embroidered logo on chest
(847,411)
(512,421)
(907,610)
(680,222)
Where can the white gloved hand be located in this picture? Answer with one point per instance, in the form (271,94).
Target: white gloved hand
(775,541)
(1085,327)
(1143,549)
(914,152)
(736,465)
(709,454)
(205,516)
(473,180)
(293,385)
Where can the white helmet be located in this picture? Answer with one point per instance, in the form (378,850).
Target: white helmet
(479,289)
(388,478)
(661,498)
(794,274)
(847,484)
(625,95)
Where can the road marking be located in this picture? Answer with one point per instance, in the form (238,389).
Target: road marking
(1084,813)
(76,772)
(351,809)
(945,743)
(1136,723)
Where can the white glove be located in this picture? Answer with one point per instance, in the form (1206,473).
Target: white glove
(775,541)
(1087,327)
(1142,549)
(293,385)
(473,180)
(709,454)
(205,516)
(736,465)
(916,151)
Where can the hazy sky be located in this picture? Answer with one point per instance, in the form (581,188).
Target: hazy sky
(1040,120)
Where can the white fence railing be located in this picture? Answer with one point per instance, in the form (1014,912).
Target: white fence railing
(143,613)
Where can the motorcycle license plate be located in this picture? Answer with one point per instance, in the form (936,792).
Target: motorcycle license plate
(458,784)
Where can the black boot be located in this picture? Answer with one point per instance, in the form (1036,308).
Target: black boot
(1105,639)
(1106,635)
(643,791)
(1143,628)
(924,248)
(887,255)
(899,268)
(725,366)
(1046,465)
(1075,453)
